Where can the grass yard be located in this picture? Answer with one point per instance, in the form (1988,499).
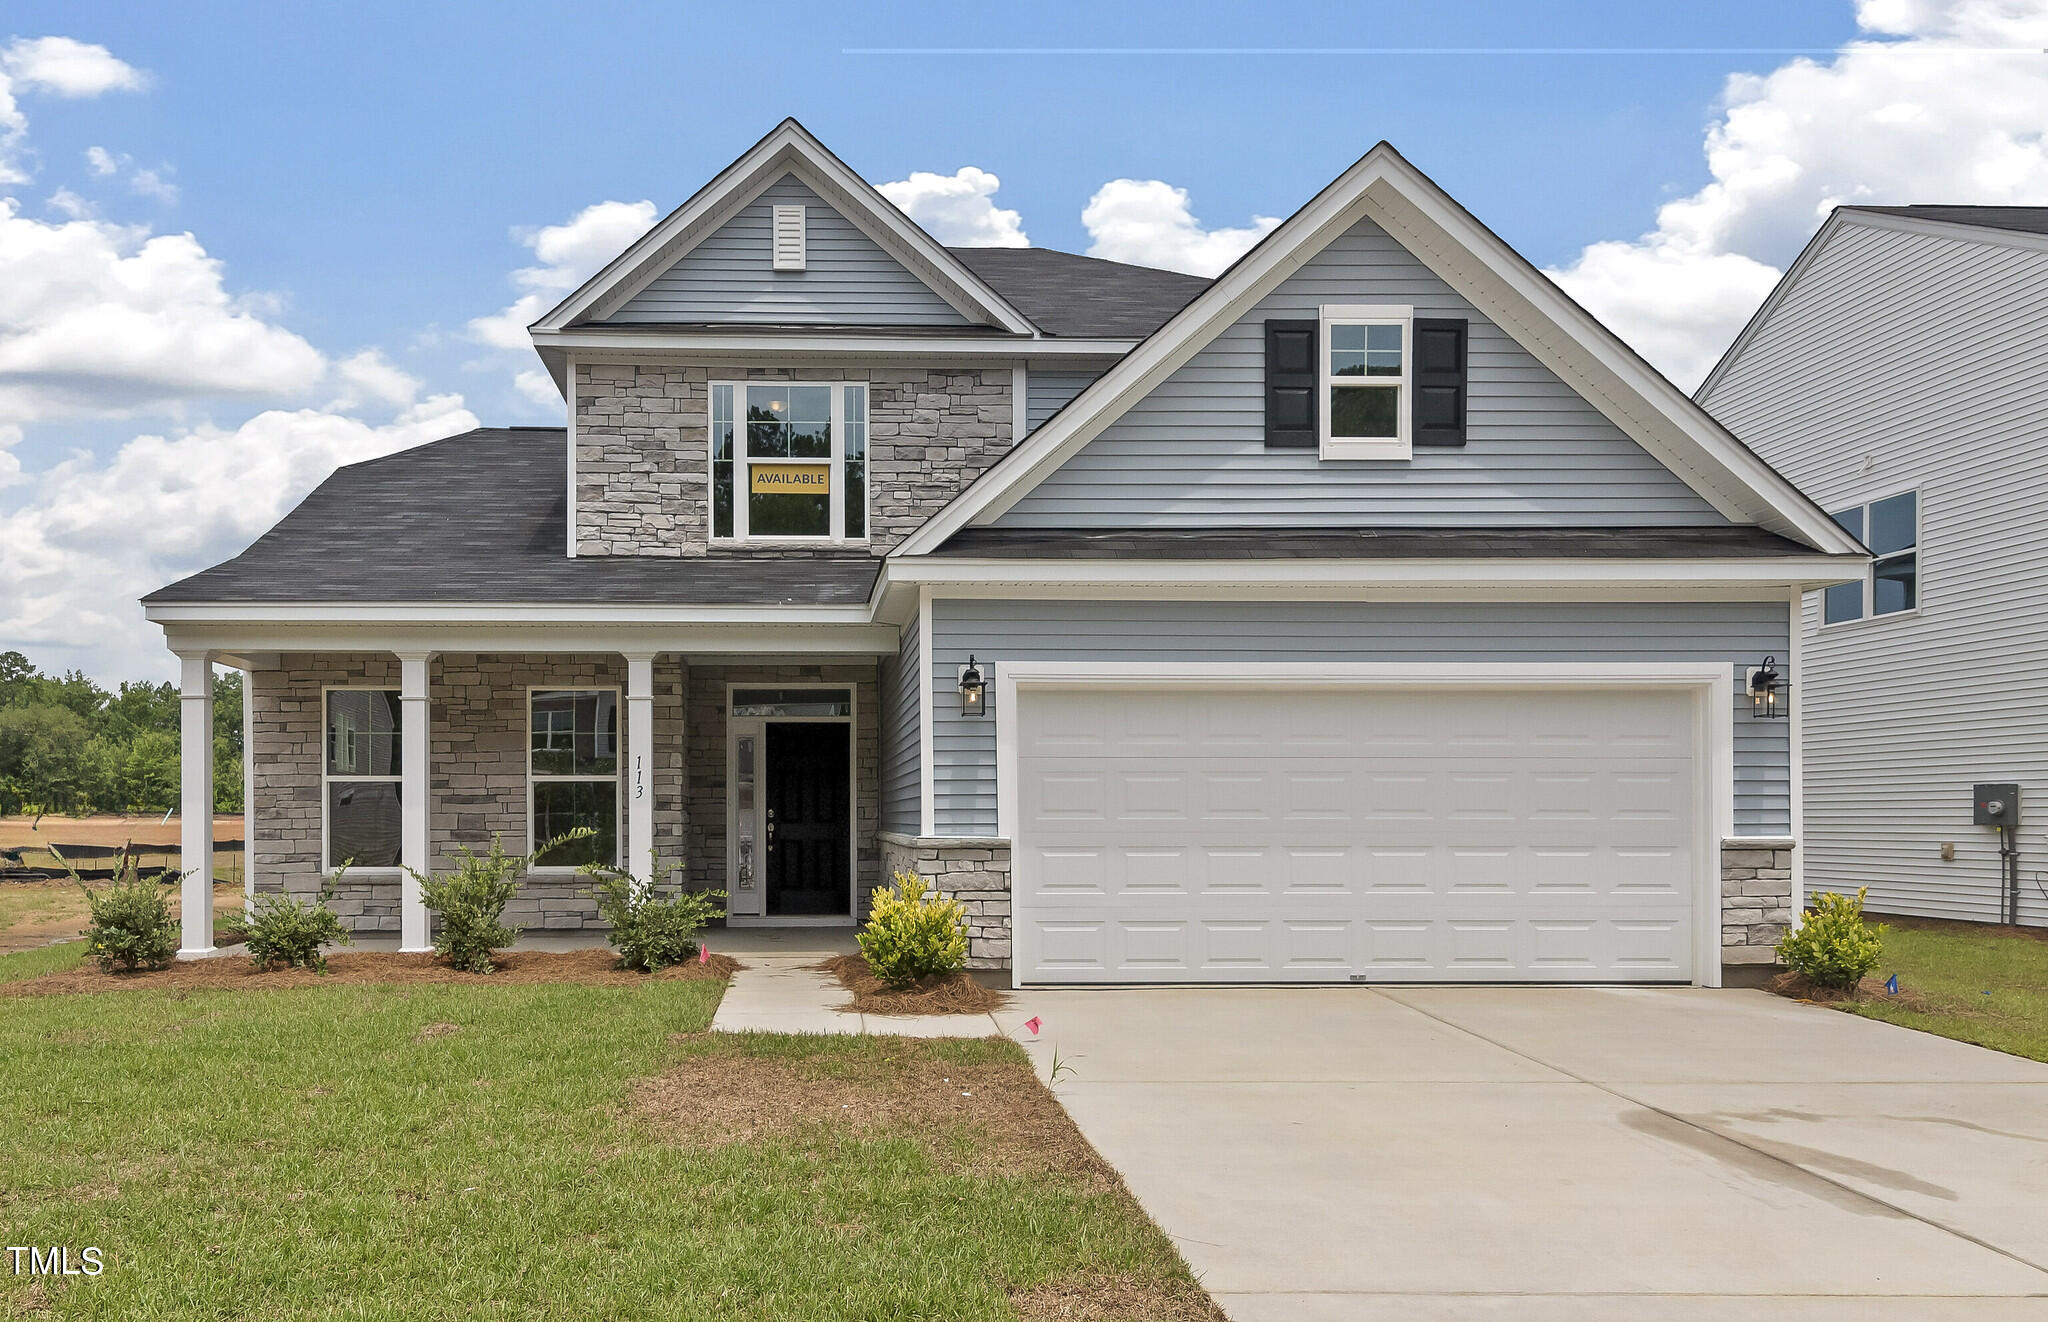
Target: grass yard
(1946,969)
(543,1151)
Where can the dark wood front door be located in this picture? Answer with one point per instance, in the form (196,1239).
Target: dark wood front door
(807,825)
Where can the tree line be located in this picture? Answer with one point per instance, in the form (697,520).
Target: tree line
(68,745)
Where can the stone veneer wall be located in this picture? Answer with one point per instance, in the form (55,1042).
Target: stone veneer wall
(478,772)
(643,484)
(707,751)
(1756,899)
(975,872)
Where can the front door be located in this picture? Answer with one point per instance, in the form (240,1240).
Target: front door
(806,820)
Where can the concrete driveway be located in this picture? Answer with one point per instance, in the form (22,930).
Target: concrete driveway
(1562,1154)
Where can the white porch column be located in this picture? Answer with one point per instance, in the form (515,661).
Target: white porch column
(640,765)
(195,802)
(249,791)
(415,796)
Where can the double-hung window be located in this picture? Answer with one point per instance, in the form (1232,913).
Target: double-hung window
(1891,529)
(573,769)
(1366,381)
(789,461)
(360,779)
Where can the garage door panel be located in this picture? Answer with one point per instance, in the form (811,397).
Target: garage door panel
(1325,835)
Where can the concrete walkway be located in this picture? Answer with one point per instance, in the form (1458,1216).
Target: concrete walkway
(777,992)
(1562,1154)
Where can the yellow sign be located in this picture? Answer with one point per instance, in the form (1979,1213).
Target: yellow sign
(800,479)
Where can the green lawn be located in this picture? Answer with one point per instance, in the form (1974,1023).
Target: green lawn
(44,959)
(1945,971)
(313,1153)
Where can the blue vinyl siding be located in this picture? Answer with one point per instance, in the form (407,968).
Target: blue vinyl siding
(1192,453)
(1737,633)
(902,748)
(1049,392)
(848,280)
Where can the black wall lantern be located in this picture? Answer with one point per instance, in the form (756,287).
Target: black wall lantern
(1767,691)
(973,690)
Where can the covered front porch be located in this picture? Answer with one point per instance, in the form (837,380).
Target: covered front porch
(757,774)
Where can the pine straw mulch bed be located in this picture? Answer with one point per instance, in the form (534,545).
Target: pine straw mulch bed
(1798,987)
(951,993)
(598,968)
(974,1105)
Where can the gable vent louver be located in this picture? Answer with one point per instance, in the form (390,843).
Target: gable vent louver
(789,238)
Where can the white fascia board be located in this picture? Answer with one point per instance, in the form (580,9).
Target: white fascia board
(1658,414)
(566,614)
(1519,576)
(242,638)
(787,149)
(739,341)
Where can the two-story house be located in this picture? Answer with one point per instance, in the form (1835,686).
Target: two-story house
(1899,374)
(1368,612)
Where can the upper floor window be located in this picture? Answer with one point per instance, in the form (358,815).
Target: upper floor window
(1891,529)
(789,461)
(1366,381)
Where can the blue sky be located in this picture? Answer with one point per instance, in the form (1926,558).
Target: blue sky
(367,178)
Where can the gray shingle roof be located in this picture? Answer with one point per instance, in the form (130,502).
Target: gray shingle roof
(1083,297)
(479,518)
(1365,543)
(2026,220)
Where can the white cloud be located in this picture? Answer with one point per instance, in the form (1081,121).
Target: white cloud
(539,387)
(102,319)
(568,254)
(67,67)
(57,65)
(102,162)
(1940,101)
(10,465)
(146,183)
(369,376)
(1148,223)
(96,536)
(958,209)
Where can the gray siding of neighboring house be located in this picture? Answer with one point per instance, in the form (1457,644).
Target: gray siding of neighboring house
(1915,361)
(902,745)
(1192,452)
(1737,633)
(848,278)
(1048,393)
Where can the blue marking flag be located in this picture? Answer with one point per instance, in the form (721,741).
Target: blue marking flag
(1891,984)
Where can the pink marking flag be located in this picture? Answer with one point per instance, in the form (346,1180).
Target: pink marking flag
(703,953)
(1032,1024)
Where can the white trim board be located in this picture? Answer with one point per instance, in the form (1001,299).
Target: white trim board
(1385,188)
(788,149)
(1711,684)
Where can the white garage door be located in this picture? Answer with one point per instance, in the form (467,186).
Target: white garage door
(1208,835)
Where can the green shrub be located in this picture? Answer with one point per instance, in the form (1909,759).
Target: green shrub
(911,936)
(283,929)
(1833,946)
(469,900)
(131,925)
(652,926)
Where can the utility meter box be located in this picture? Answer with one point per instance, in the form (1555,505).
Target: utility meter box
(1995,805)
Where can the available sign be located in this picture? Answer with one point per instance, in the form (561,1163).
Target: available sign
(801,479)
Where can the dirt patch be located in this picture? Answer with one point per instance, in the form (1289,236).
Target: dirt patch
(430,1032)
(1798,987)
(1113,1299)
(591,967)
(971,1103)
(106,829)
(953,993)
(41,913)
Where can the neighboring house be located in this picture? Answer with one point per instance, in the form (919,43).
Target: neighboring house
(1899,375)
(1369,612)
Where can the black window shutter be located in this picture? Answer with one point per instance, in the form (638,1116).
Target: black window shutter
(1291,380)
(1439,381)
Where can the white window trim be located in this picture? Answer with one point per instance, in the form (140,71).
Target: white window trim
(835,499)
(1917,551)
(1402,444)
(327,863)
(617,777)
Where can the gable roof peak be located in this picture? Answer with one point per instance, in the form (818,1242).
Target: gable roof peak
(787,149)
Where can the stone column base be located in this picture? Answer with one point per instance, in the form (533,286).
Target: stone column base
(1756,898)
(975,871)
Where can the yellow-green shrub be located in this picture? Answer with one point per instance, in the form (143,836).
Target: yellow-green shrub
(1832,945)
(910,935)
